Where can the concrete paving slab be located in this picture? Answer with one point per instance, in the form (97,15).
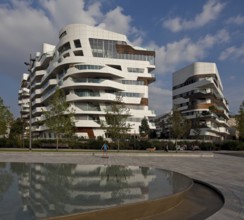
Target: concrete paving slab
(225,172)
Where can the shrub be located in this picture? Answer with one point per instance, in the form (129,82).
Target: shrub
(3,142)
(206,146)
(232,145)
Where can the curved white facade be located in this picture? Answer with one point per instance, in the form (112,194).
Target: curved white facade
(92,65)
(198,95)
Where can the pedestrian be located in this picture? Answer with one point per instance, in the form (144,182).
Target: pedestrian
(105,149)
(167,148)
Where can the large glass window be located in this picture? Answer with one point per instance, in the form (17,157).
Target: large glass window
(88,67)
(107,48)
(89,106)
(85,93)
(133,82)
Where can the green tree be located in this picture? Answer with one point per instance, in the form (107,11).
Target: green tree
(144,128)
(180,126)
(17,130)
(240,122)
(115,125)
(59,118)
(6,118)
(197,124)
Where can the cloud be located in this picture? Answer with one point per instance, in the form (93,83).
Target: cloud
(172,55)
(234,53)
(63,12)
(24,28)
(210,12)
(238,20)
(116,21)
(160,99)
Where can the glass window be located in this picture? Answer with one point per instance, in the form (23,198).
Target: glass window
(78,53)
(77,43)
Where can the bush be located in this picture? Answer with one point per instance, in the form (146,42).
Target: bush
(3,142)
(206,146)
(232,145)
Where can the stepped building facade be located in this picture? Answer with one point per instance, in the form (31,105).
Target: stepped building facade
(198,95)
(92,66)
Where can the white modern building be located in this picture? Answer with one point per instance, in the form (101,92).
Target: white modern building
(198,95)
(92,66)
(24,97)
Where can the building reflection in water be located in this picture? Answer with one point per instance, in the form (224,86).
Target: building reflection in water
(60,189)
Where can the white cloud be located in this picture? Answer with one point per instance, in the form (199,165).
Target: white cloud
(23,28)
(233,52)
(63,12)
(160,99)
(116,21)
(210,12)
(172,55)
(238,20)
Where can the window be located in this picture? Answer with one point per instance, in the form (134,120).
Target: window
(64,47)
(133,82)
(66,55)
(135,70)
(77,43)
(78,53)
(119,50)
(62,34)
(88,67)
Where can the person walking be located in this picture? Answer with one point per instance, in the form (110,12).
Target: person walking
(105,149)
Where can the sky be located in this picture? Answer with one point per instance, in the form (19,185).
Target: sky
(181,32)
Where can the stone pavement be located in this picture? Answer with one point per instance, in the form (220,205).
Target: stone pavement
(225,172)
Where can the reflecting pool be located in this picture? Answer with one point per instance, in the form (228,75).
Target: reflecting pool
(35,191)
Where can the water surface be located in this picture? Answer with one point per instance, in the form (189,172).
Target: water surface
(35,191)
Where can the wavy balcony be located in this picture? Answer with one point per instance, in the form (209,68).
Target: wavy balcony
(42,62)
(38,110)
(38,75)
(91,83)
(87,123)
(37,92)
(50,82)
(103,72)
(101,97)
(148,77)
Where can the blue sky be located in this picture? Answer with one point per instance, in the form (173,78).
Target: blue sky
(181,32)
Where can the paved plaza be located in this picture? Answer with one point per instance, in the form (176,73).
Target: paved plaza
(226,172)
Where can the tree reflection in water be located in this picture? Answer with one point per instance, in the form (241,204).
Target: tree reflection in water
(116,179)
(6,179)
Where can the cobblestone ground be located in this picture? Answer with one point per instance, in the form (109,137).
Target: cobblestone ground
(225,172)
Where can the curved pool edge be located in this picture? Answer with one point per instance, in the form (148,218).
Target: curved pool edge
(182,205)
(130,211)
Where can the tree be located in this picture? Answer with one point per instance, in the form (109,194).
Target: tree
(240,122)
(59,118)
(6,118)
(197,124)
(17,131)
(144,128)
(115,124)
(180,126)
